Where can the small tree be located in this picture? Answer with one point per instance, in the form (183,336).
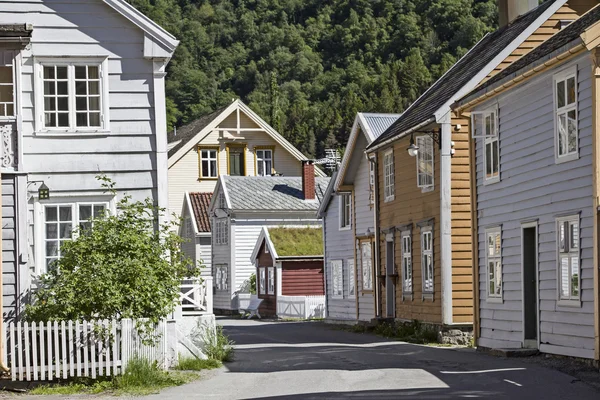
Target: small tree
(124,266)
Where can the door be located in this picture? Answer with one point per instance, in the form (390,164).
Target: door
(530,286)
(390,280)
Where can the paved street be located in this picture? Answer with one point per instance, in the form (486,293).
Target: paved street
(311,360)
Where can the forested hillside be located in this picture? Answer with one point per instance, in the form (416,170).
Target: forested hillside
(307,66)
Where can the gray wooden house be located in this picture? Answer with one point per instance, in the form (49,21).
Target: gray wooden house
(537,180)
(348,225)
(81,93)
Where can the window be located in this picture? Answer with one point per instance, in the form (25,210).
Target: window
(61,220)
(189,228)
(271,281)
(371,181)
(7,87)
(209,166)
(565,119)
(427,259)
(337,279)
(494,263)
(236,160)
(351,279)
(73,95)
(345,211)
(568,257)
(221,231)
(366,266)
(388,176)
(262,278)
(407,280)
(491,152)
(264,162)
(222,201)
(425,163)
(222,277)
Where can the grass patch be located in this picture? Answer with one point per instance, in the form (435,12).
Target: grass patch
(75,386)
(196,364)
(297,241)
(215,344)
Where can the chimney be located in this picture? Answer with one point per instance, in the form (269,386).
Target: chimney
(509,10)
(308,180)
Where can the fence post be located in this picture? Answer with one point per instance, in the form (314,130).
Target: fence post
(208,287)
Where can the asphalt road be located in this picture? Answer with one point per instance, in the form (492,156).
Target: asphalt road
(314,361)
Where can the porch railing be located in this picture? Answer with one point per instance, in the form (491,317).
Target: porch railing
(196,297)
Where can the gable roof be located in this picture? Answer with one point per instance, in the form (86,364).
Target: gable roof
(199,204)
(561,42)
(289,242)
(372,126)
(268,193)
(327,196)
(187,132)
(471,69)
(150,27)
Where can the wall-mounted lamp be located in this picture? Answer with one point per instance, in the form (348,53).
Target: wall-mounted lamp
(413,149)
(43,192)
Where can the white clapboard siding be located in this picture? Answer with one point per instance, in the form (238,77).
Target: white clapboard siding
(67,349)
(304,307)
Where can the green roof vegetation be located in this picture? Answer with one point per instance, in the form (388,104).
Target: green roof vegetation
(297,241)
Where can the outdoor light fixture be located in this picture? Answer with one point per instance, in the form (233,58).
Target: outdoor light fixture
(412,149)
(43,192)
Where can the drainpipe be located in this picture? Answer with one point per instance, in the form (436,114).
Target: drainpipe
(377,292)
(325,268)
(446,218)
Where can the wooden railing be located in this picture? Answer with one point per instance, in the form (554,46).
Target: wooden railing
(196,297)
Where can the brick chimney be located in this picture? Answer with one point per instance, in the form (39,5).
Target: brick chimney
(509,10)
(308,180)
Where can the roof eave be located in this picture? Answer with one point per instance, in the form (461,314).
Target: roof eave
(370,150)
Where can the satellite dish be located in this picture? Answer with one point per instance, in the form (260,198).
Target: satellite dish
(220,213)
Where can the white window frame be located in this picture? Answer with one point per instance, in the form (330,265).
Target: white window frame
(70,63)
(407,264)
(351,279)
(222,277)
(271,280)
(337,279)
(40,223)
(345,202)
(571,252)
(263,160)
(189,227)
(366,266)
(371,182)
(8,60)
(425,144)
(221,231)
(212,174)
(262,280)
(494,255)
(389,189)
(427,231)
(491,136)
(564,76)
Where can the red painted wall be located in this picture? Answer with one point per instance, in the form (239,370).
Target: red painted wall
(302,278)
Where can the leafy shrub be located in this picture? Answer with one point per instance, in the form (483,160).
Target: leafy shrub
(213,341)
(253,283)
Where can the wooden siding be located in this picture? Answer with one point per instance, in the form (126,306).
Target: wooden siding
(462,253)
(9,259)
(339,245)
(302,278)
(533,187)
(264,259)
(572,10)
(411,206)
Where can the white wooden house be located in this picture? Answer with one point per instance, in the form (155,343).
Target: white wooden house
(348,225)
(240,208)
(81,93)
(232,140)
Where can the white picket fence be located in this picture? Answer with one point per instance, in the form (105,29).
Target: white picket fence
(52,350)
(304,307)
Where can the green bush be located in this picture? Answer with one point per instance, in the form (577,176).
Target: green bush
(253,283)
(215,344)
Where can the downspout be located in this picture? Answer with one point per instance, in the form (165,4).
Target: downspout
(596,196)
(446,218)
(325,268)
(377,235)
(474,232)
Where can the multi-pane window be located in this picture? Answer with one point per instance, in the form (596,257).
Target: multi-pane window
(221,232)
(351,278)
(492,147)
(222,275)
(366,266)
(222,201)
(72,96)
(494,263)
(407,280)
(337,278)
(372,182)
(208,163)
(345,210)
(427,259)
(61,220)
(271,280)
(388,176)
(568,258)
(565,103)
(425,162)
(264,162)
(261,280)
(7,87)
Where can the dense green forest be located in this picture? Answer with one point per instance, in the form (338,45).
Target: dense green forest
(307,66)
